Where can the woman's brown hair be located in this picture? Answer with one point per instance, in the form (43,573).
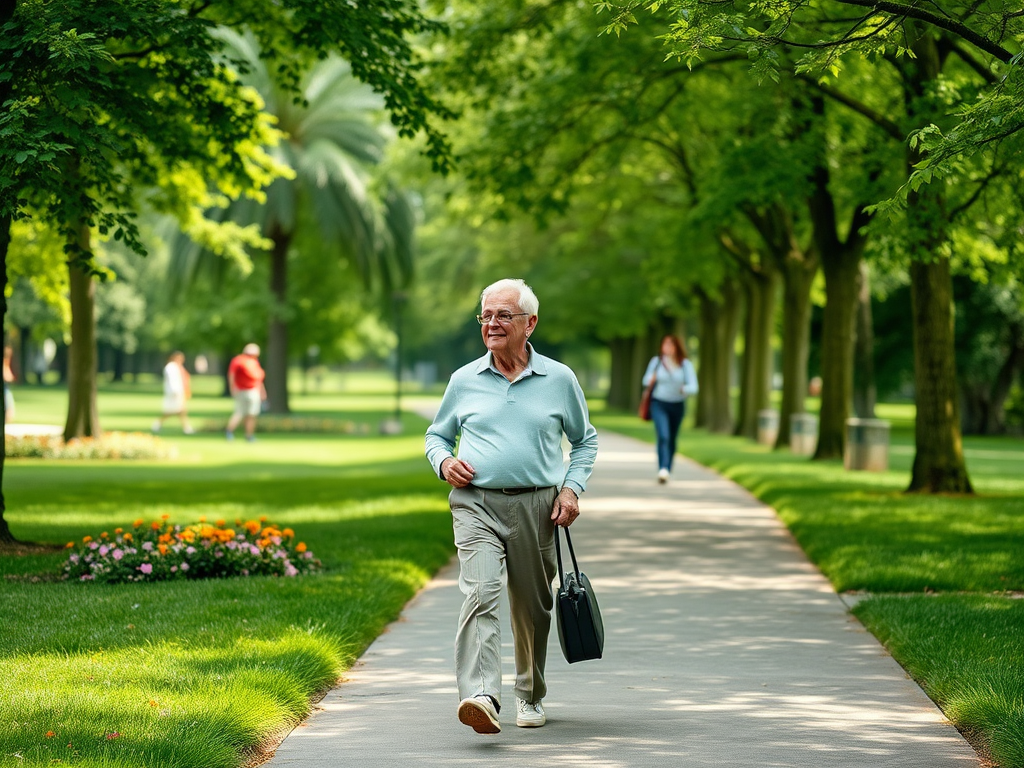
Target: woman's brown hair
(680,353)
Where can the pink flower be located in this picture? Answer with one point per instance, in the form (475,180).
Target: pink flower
(73,559)
(290,570)
(148,546)
(184,566)
(103,550)
(146,567)
(253,549)
(190,550)
(87,577)
(117,554)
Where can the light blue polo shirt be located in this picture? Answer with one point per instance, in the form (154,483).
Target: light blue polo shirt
(511,432)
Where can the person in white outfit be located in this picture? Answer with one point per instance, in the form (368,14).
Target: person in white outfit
(675,379)
(177,391)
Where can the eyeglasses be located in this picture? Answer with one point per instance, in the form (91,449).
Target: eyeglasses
(503,317)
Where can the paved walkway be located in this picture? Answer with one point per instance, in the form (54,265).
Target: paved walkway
(724,647)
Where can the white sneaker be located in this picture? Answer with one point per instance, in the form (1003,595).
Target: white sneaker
(479,713)
(662,475)
(530,715)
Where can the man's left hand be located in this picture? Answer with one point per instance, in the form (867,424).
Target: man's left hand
(566,508)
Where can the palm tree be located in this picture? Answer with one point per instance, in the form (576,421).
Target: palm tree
(334,139)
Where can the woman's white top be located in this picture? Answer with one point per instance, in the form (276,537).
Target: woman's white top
(674,382)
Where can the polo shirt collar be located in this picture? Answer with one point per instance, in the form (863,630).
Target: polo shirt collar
(535,365)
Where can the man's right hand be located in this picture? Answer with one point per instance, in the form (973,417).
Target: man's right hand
(456,472)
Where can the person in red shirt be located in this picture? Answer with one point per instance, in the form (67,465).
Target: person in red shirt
(245,379)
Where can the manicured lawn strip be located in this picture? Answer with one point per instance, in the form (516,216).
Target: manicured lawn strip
(862,530)
(966,650)
(198,673)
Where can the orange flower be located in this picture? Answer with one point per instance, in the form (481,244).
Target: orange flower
(166,538)
(187,536)
(165,517)
(163,548)
(202,519)
(128,537)
(263,543)
(69,545)
(271,531)
(138,523)
(252,527)
(86,539)
(104,535)
(300,547)
(50,734)
(155,525)
(221,523)
(238,522)
(288,533)
(263,519)
(152,703)
(118,531)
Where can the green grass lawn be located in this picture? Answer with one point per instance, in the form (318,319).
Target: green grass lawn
(201,673)
(942,576)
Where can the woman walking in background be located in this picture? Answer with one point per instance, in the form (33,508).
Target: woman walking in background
(177,391)
(674,380)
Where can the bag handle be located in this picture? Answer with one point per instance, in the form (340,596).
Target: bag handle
(572,554)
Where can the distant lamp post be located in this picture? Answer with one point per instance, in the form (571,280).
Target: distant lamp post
(393,426)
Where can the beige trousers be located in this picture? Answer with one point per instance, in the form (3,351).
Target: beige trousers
(514,533)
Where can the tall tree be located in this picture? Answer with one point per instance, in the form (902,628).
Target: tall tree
(918,42)
(333,138)
(101,99)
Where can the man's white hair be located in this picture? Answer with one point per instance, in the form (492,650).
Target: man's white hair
(528,301)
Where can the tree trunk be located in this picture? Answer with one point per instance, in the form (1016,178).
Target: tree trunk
(995,423)
(118,364)
(864,393)
(621,382)
(719,324)
(837,330)
(83,415)
(939,461)
(277,338)
(6,537)
(797,279)
(756,373)
(939,465)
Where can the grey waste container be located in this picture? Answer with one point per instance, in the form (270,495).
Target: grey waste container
(803,433)
(867,444)
(767,426)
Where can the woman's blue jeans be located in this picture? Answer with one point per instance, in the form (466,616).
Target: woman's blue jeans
(667,417)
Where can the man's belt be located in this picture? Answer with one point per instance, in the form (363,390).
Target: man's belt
(517,491)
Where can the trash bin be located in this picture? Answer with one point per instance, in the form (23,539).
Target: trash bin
(867,445)
(767,426)
(803,433)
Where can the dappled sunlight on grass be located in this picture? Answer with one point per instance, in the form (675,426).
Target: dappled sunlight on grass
(193,673)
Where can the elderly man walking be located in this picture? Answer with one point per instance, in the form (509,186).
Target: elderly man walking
(509,409)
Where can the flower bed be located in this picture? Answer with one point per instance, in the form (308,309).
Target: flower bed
(113,445)
(159,551)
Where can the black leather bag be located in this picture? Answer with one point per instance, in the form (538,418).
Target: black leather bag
(580,628)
